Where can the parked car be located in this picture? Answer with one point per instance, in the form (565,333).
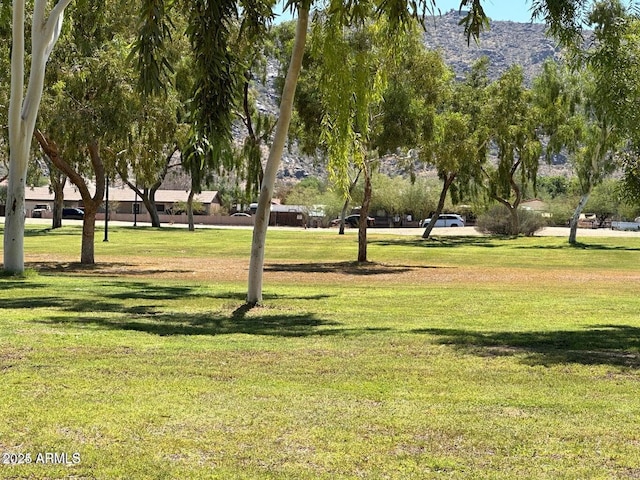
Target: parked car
(72,213)
(240,214)
(40,210)
(445,220)
(353,221)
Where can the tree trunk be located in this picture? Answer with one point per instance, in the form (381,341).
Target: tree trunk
(148,199)
(343,214)
(151,207)
(256,264)
(192,226)
(18,151)
(23,111)
(57,177)
(515,220)
(91,204)
(364,215)
(58,181)
(15,213)
(87,249)
(573,223)
(443,197)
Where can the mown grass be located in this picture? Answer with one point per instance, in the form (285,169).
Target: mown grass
(454,358)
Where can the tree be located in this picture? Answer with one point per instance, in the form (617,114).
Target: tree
(513,131)
(156,135)
(256,264)
(23,111)
(457,142)
(90,106)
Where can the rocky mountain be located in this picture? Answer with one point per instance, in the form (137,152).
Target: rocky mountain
(506,44)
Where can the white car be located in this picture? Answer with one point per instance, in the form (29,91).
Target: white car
(445,220)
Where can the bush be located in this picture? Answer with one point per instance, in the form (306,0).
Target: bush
(497,221)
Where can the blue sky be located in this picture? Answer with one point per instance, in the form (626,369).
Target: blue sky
(515,10)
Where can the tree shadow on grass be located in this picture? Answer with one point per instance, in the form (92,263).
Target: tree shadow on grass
(11,282)
(238,322)
(102,269)
(439,242)
(344,268)
(616,345)
(581,246)
(105,297)
(242,296)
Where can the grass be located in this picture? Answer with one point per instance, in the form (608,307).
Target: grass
(454,358)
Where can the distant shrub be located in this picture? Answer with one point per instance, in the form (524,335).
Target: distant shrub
(497,221)
(531,222)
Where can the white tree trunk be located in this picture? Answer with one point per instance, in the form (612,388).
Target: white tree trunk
(23,111)
(573,224)
(256,264)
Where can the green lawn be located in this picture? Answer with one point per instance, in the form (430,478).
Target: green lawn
(454,358)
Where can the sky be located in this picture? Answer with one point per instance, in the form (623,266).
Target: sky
(514,10)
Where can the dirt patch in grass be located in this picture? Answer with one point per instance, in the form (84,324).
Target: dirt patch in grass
(235,270)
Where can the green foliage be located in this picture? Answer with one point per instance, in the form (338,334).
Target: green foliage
(631,179)
(605,200)
(182,207)
(149,48)
(553,187)
(309,191)
(398,195)
(559,97)
(418,83)
(513,130)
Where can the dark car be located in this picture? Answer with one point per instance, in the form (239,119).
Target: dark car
(354,221)
(72,214)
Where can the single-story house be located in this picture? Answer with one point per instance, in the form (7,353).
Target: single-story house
(121,199)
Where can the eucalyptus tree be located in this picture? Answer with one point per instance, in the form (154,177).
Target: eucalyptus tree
(617,62)
(158,131)
(513,129)
(353,75)
(456,143)
(23,111)
(577,120)
(90,105)
(91,130)
(610,96)
(153,149)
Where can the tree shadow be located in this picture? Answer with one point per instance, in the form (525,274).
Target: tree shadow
(213,324)
(344,268)
(241,296)
(615,345)
(439,242)
(152,291)
(36,232)
(110,296)
(581,246)
(11,282)
(112,268)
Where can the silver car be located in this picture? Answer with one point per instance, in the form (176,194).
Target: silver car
(445,220)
